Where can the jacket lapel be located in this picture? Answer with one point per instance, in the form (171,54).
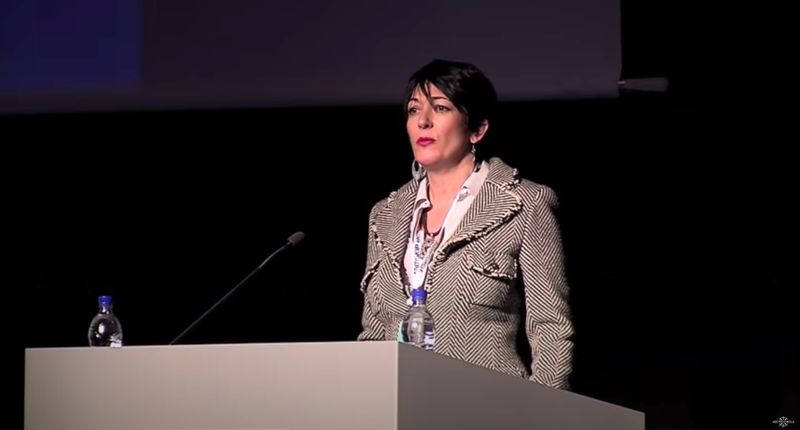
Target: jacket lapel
(495,204)
(392,224)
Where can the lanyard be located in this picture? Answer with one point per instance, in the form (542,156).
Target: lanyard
(423,256)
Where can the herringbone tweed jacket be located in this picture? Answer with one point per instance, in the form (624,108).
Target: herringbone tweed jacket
(500,272)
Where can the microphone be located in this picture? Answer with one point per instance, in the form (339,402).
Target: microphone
(291,242)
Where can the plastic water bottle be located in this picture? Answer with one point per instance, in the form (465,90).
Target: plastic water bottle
(417,327)
(105,329)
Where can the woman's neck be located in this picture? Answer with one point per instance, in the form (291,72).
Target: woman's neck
(444,183)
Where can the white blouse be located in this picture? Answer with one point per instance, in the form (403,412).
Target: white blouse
(420,250)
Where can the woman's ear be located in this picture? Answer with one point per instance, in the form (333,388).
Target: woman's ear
(476,136)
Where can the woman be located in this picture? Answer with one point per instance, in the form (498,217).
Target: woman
(481,241)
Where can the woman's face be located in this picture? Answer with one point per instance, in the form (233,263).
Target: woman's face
(437,130)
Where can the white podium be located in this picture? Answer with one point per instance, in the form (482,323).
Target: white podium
(293,386)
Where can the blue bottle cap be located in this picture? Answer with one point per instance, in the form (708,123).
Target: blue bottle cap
(419,295)
(104,300)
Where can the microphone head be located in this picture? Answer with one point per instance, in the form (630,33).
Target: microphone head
(296,238)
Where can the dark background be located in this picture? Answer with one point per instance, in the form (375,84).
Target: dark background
(677,212)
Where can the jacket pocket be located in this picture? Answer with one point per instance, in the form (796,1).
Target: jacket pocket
(501,267)
(372,268)
(495,275)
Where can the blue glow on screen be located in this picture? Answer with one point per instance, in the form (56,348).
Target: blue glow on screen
(62,46)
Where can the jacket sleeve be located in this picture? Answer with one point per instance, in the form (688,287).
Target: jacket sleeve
(371,327)
(547,313)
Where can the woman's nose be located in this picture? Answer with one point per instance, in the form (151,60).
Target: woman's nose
(425,119)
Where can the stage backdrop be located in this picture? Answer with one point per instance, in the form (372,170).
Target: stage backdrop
(143,54)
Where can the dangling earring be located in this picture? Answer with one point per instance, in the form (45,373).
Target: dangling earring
(417,171)
(474,150)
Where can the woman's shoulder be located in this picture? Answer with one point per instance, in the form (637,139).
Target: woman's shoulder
(536,192)
(407,190)
(530,191)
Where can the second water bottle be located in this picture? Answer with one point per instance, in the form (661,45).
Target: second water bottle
(105,328)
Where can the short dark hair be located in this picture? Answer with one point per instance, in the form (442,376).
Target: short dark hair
(463,83)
